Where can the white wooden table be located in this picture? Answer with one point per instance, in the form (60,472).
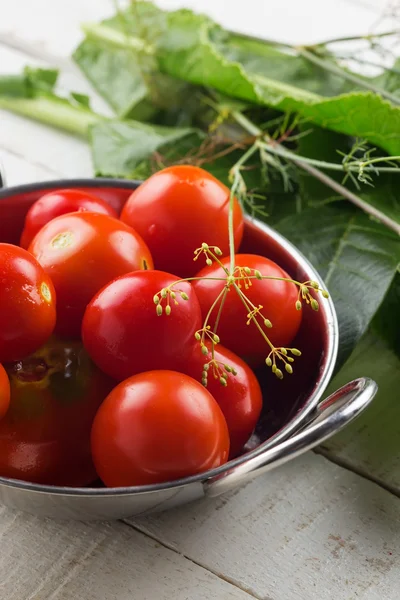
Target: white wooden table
(324,526)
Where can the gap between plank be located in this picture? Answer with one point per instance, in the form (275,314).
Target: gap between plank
(343,463)
(31,50)
(346,464)
(39,165)
(169,546)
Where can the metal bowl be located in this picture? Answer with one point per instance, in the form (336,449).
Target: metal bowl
(293,421)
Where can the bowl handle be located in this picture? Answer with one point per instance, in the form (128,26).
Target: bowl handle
(331,415)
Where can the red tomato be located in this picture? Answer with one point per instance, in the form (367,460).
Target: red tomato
(176,210)
(240,400)
(27,303)
(123,333)
(45,435)
(58,203)
(113,196)
(4,392)
(158,426)
(82,252)
(277,298)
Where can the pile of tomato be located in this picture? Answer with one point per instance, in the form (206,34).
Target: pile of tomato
(102,374)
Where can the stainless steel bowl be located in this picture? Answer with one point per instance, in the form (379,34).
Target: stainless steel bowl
(295,419)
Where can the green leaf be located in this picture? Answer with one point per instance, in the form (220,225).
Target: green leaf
(356,257)
(81,99)
(260,58)
(129,80)
(384,194)
(43,79)
(29,83)
(129,85)
(196,50)
(116,76)
(372,443)
(387,321)
(193,48)
(124,149)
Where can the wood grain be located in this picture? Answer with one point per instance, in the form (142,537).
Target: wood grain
(307,530)
(45,560)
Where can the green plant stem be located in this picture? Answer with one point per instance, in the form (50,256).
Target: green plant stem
(356,200)
(214,304)
(330,66)
(353,166)
(116,38)
(355,38)
(351,38)
(221,306)
(263,140)
(52,112)
(235,174)
(363,61)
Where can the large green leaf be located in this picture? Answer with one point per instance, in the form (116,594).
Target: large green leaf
(260,58)
(116,76)
(195,49)
(384,195)
(372,443)
(124,149)
(129,80)
(387,321)
(356,257)
(131,86)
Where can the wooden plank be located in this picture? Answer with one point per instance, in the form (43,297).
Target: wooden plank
(379,6)
(308,530)
(44,147)
(57,32)
(18,170)
(46,560)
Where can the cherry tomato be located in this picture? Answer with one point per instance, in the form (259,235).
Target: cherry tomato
(45,435)
(113,196)
(27,303)
(58,203)
(123,333)
(158,426)
(82,252)
(240,399)
(277,298)
(176,210)
(4,392)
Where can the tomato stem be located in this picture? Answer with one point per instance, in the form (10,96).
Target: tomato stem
(226,289)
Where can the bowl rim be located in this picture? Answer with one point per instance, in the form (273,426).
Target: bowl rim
(320,385)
